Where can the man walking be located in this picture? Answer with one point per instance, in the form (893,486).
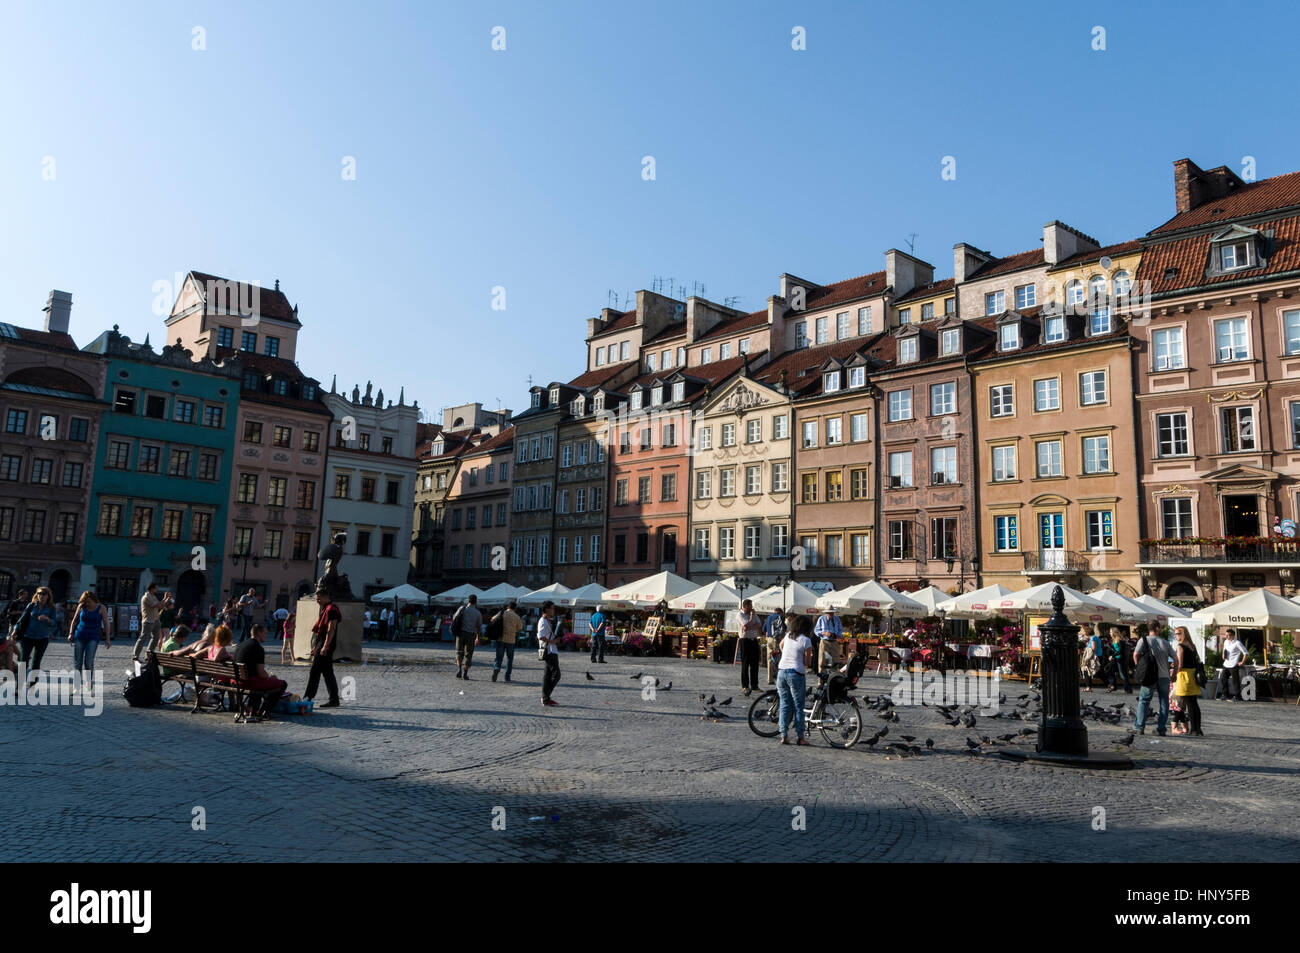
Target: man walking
(151,608)
(546,641)
(747,645)
(324,637)
(774,629)
(828,629)
(245,607)
(599,629)
(511,626)
(1163,664)
(1234,656)
(466,625)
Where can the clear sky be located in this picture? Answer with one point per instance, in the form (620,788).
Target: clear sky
(522,168)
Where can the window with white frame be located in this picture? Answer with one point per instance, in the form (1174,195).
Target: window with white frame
(577,549)
(1004,463)
(1004,534)
(831,382)
(555,397)
(1047,394)
(1235,255)
(724,351)
(727,482)
(809,544)
(1100,526)
(1096,454)
(728,435)
(754,430)
(842,329)
(780,536)
(1167,349)
(681,357)
(580,500)
(995,302)
(1054,329)
(781,477)
(727,542)
(900,468)
(703,484)
(905,316)
(1002,401)
(823,330)
(943,465)
(635,402)
(651,363)
(900,404)
(1092,387)
(1025,297)
(704,438)
(656,395)
(857,427)
(950,341)
(857,376)
(1074,292)
(927,311)
(743,347)
(943,398)
(702,548)
(566,455)
(1238,428)
(706,356)
(864,320)
(561,550)
(1099,321)
(900,539)
(1230,340)
(801,334)
(1172,435)
(1176,518)
(780,425)
(1295,425)
(679,391)
(1121,283)
(809,433)
(753,479)
(753,542)
(1009,336)
(907,350)
(834,430)
(1049,458)
(1291,332)
(623,351)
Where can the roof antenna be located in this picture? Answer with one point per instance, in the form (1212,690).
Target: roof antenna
(911,243)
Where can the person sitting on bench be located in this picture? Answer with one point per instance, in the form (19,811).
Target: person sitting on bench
(252,656)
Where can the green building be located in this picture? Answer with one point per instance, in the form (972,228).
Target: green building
(161,488)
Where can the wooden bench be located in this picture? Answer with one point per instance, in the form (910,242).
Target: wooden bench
(229,678)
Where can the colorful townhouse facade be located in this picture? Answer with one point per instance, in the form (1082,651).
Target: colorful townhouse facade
(477,527)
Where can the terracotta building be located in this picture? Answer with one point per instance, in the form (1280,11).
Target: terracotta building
(1218,377)
(477,529)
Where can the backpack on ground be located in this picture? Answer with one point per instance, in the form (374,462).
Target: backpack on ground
(144,690)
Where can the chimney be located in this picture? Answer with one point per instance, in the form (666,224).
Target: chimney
(1194,187)
(903,272)
(966,259)
(58,311)
(1060,241)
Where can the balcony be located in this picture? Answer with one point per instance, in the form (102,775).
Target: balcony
(1054,562)
(1222,551)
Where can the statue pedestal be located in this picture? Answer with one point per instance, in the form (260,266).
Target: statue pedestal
(348,640)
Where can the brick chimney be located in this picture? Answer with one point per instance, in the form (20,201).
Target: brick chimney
(58,311)
(903,272)
(1194,187)
(966,259)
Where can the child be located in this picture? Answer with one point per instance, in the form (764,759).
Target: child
(286,646)
(1177,717)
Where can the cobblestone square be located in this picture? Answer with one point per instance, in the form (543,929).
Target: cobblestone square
(413,768)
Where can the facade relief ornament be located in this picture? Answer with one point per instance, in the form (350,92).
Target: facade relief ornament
(1233,395)
(742,399)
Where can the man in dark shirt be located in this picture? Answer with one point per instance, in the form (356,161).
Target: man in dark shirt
(324,638)
(250,654)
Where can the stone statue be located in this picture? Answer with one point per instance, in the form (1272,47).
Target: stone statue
(331,583)
(356,394)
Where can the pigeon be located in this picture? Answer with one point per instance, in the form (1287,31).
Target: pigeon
(973,745)
(929,743)
(1118,707)
(871,742)
(1028,731)
(986,739)
(1127,739)
(636,677)
(882,732)
(590,677)
(668,687)
(725,702)
(714,713)
(968,720)
(1007,737)
(656,681)
(909,738)
(712,700)
(954,722)
(701,696)
(914,749)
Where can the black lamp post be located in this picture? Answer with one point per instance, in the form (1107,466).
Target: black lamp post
(962,560)
(245,556)
(1062,736)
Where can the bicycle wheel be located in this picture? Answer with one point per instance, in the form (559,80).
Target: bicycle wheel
(841,724)
(172,690)
(765,714)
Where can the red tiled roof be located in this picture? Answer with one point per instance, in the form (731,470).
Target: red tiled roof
(1188,258)
(810,358)
(1110,251)
(625,320)
(1253,198)
(846,290)
(1001,266)
(926,291)
(454,442)
(1075,342)
(709,373)
(46,338)
(270,302)
(741,322)
(493,443)
(599,375)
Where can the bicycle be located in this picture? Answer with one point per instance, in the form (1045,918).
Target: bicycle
(839,721)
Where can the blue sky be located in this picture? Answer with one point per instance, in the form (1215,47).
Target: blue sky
(522,168)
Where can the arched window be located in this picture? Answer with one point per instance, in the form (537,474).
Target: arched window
(1181,590)
(1097,291)
(1074,292)
(1121,283)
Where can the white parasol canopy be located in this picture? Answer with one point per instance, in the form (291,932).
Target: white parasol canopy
(501,593)
(1259,608)
(1130,611)
(1078,606)
(648,592)
(1164,611)
(551,593)
(974,605)
(592,594)
(453,596)
(872,595)
(794,597)
(713,597)
(930,597)
(403,593)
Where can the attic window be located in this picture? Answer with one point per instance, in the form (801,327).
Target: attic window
(657,395)
(907,350)
(1233,256)
(679,390)
(831,382)
(857,376)
(636,399)
(1171,273)
(1009,336)
(599,403)
(575,407)
(537,398)
(555,397)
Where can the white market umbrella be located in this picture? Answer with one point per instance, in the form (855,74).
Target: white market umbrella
(930,597)
(872,595)
(794,597)
(974,605)
(551,593)
(1164,611)
(500,594)
(1038,599)
(1130,612)
(585,597)
(405,593)
(453,596)
(714,597)
(648,592)
(1259,608)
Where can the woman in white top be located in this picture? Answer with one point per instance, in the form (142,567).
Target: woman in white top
(796,654)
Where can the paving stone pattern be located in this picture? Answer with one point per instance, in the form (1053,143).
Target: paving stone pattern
(413,768)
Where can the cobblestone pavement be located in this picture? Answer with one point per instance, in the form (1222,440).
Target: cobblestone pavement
(413,768)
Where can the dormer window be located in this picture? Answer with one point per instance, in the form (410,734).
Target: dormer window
(576,407)
(555,397)
(657,395)
(907,350)
(636,399)
(1009,336)
(1235,255)
(537,398)
(308,391)
(950,341)
(438,448)
(1054,329)
(831,382)
(679,391)
(857,376)
(599,403)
